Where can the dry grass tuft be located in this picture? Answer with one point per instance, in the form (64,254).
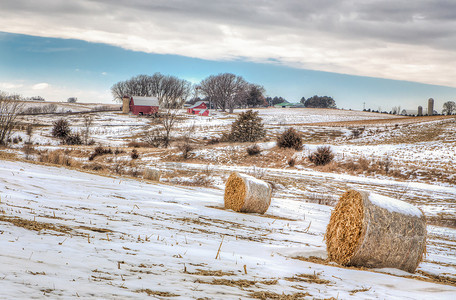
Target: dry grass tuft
(218,273)
(309,278)
(34,225)
(271,295)
(242,283)
(149,292)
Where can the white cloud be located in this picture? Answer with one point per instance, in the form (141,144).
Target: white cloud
(56,93)
(40,86)
(10,85)
(389,39)
(104,73)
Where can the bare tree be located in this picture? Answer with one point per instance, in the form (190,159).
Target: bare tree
(88,120)
(170,90)
(10,107)
(168,119)
(449,107)
(226,90)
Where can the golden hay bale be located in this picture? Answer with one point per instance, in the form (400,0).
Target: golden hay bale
(151,174)
(244,193)
(375,231)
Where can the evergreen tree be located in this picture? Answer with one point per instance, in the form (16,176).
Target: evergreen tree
(248,127)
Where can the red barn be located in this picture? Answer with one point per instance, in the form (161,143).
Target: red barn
(199,108)
(144,105)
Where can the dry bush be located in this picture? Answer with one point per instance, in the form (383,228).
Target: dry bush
(99,151)
(202,180)
(134,154)
(93,167)
(73,139)
(136,144)
(290,138)
(292,161)
(61,129)
(186,149)
(58,157)
(213,141)
(118,151)
(253,150)
(28,150)
(322,156)
(154,138)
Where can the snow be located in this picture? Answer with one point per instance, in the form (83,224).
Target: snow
(394,205)
(127,235)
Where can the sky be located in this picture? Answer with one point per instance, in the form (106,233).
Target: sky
(371,53)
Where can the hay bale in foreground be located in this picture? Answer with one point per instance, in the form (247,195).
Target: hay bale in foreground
(244,193)
(151,174)
(375,231)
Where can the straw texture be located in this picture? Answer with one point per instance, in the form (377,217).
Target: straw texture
(244,193)
(363,232)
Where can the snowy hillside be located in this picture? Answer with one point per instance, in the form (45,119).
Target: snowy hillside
(68,234)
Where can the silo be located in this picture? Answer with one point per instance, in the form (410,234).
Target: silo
(420,110)
(125,105)
(430,107)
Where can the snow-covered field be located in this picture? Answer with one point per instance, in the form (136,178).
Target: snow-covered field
(66,233)
(111,237)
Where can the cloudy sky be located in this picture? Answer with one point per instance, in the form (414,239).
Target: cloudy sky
(398,40)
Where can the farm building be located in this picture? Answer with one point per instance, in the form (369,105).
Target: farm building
(199,108)
(140,105)
(283,105)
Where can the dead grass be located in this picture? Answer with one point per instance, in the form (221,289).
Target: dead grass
(150,292)
(217,273)
(425,276)
(35,225)
(271,295)
(241,283)
(309,278)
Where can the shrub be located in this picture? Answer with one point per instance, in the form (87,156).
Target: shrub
(61,129)
(186,149)
(253,150)
(290,138)
(98,151)
(322,156)
(248,127)
(134,154)
(292,161)
(73,139)
(154,138)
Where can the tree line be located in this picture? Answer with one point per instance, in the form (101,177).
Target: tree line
(223,91)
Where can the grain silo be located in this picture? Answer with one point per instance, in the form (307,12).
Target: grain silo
(430,107)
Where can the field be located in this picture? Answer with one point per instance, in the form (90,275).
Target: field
(74,227)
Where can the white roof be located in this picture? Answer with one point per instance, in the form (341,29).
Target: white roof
(145,101)
(197,104)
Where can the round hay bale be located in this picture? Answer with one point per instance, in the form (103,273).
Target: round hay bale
(151,174)
(375,231)
(244,193)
